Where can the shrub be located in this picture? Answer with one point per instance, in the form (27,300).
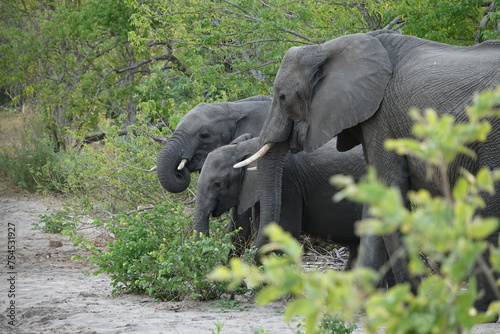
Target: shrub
(110,176)
(57,222)
(155,252)
(31,153)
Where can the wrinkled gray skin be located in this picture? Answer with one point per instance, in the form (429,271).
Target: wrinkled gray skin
(306,194)
(204,128)
(359,88)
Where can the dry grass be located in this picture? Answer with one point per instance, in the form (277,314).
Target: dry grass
(323,255)
(11,127)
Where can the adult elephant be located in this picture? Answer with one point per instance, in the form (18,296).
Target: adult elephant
(359,88)
(204,128)
(307,204)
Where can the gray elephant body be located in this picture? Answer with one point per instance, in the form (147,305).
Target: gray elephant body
(204,128)
(307,204)
(360,87)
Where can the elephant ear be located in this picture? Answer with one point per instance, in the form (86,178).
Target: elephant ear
(249,194)
(250,115)
(347,85)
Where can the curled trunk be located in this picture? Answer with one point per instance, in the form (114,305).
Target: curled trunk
(170,177)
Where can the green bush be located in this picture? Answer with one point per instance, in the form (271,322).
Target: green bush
(110,176)
(155,252)
(446,229)
(57,222)
(24,162)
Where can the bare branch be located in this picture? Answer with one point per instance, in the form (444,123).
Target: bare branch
(239,7)
(295,34)
(161,140)
(252,18)
(393,22)
(134,66)
(482,24)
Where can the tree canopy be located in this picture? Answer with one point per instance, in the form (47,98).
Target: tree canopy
(80,62)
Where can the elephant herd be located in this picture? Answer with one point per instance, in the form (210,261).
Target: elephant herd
(334,105)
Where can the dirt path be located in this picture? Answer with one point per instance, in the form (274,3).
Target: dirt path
(51,294)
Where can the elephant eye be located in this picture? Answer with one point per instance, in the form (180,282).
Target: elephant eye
(318,75)
(204,135)
(217,184)
(282,97)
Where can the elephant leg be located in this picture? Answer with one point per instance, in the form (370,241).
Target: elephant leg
(255,219)
(353,255)
(399,262)
(373,254)
(242,223)
(291,211)
(486,276)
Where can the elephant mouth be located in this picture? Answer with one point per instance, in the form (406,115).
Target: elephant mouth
(295,145)
(217,212)
(195,163)
(297,134)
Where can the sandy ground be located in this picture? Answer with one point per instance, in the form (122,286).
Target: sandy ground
(51,294)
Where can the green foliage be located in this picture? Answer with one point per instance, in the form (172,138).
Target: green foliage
(57,222)
(218,327)
(155,252)
(25,160)
(317,295)
(335,325)
(109,176)
(451,22)
(76,63)
(446,229)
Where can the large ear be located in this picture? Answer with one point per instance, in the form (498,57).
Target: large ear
(249,194)
(346,88)
(251,115)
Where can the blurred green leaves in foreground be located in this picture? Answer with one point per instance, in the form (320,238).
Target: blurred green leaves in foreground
(445,231)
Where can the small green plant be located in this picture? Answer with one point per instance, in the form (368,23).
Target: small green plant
(155,252)
(332,325)
(218,327)
(57,222)
(335,325)
(225,304)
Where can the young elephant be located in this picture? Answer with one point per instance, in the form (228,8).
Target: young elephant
(307,204)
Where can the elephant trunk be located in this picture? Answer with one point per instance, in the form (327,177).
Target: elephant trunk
(202,218)
(170,177)
(270,171)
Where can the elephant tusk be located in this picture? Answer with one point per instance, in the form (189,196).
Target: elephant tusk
(182,164)
(252,168)
(259,154)
(152,169)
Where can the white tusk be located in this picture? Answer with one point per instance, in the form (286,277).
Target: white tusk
(252,168)
(260,153)
(152,169)
(182,164)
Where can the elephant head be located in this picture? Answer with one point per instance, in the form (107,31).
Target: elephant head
(221,187)
(319,91)
(204,128)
